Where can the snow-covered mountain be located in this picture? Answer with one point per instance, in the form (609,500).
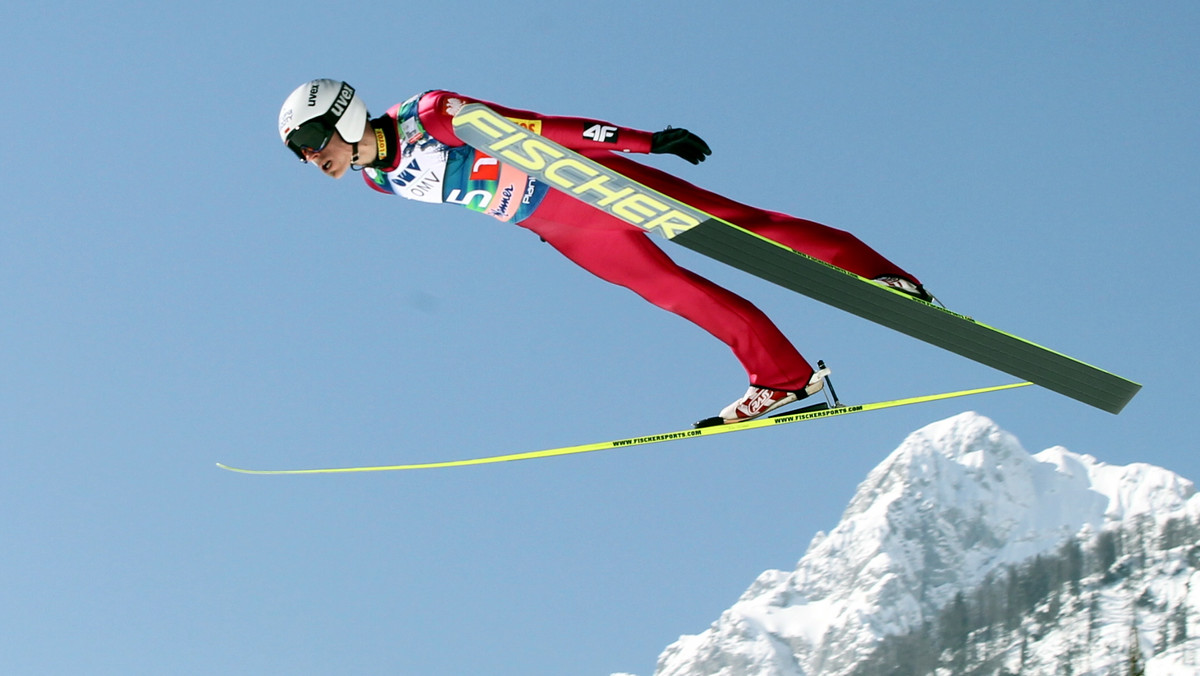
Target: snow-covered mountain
(962,553)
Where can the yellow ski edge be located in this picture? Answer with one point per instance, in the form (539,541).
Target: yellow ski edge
(640,441)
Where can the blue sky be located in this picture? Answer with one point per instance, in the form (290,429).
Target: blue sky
(176,290)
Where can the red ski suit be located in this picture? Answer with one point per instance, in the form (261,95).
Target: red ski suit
(624,254)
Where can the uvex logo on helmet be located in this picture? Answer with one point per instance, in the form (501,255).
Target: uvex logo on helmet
(312,94)
(343,100)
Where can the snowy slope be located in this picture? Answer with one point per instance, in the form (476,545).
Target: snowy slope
(958,500)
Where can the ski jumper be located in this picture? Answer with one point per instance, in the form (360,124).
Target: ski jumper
(424,160)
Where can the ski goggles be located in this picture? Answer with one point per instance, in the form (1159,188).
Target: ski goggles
(312,136)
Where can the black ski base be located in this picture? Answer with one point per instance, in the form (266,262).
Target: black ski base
(803,409)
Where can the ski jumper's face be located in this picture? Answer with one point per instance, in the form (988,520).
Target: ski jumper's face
(334,159)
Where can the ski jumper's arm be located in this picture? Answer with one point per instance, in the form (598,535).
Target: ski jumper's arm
(437,108)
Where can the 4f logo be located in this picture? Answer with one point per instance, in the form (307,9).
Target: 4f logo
(601,133)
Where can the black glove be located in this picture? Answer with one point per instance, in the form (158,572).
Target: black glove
(680,142)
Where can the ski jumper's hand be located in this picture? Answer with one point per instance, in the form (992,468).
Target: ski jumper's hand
(680,142)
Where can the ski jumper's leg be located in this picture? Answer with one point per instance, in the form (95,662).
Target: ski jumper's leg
(819,241)
(624,254)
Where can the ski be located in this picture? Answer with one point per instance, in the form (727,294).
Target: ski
(801,415)
(614,193)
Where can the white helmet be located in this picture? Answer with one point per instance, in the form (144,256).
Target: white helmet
(315,110)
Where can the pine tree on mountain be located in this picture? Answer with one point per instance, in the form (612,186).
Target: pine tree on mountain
(954,623)
(1136,665)
(1106,549)
(1179,620)
(1071,557)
